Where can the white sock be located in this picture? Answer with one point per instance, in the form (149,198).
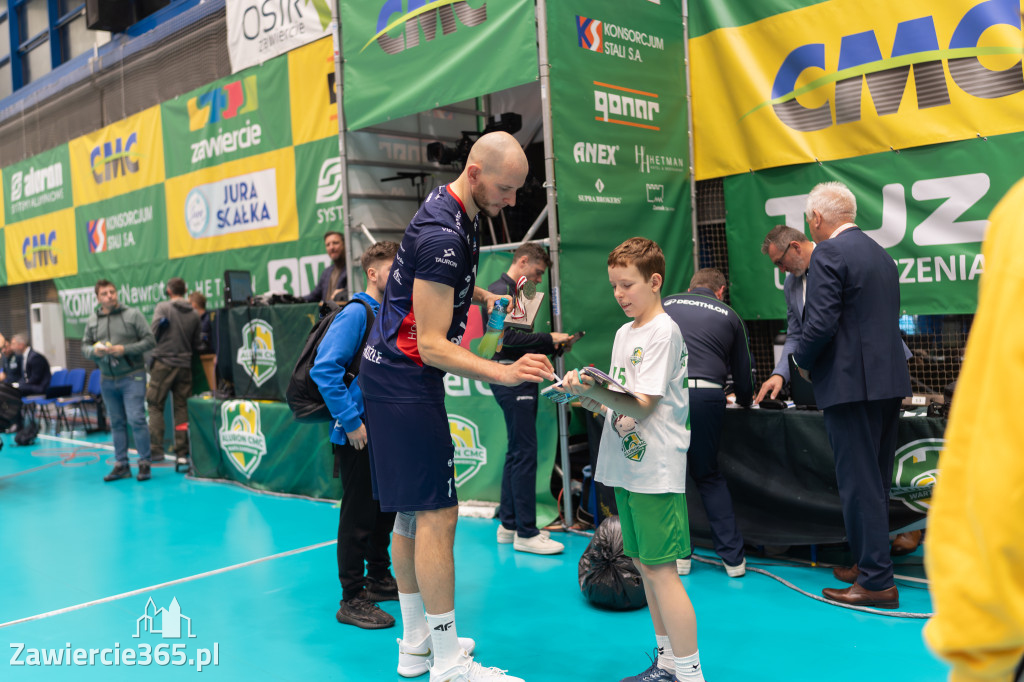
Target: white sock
(688,668)
(444,639)
(666,661)
(414,624)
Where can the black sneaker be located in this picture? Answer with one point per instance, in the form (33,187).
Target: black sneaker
(384,589)
(143,472)
(118,472)
(363,613)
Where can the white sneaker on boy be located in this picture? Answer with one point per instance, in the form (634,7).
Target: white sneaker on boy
(414,660)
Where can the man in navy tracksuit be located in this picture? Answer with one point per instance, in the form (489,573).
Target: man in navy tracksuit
(364,531)
(518,509)
(716,341)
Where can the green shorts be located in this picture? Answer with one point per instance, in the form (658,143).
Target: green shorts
(655,527)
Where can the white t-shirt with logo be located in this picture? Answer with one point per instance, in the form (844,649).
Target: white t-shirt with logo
(648,456)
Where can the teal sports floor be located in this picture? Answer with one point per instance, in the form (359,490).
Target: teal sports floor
(257,577)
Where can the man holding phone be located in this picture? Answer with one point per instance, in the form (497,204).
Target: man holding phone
(518,508)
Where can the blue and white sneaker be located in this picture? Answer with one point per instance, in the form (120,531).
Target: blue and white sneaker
(653,674)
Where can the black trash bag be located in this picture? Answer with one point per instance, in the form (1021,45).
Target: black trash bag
(26,435)
(608,577)
(10,406)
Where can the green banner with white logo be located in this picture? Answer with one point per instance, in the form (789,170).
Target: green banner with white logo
(292,268)
(927,206)
(618,97)
(232,118)
(407,56)
(128,228)
(37,186)
(318,188)
(265,342)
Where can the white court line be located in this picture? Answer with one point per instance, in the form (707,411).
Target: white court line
(179,581)
(73,441)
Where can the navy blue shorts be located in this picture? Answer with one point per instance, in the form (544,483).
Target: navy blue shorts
(412,463)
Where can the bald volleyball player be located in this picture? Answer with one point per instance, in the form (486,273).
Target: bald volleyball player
(414,342)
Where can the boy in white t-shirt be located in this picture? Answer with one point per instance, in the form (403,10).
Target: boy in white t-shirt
(643,450)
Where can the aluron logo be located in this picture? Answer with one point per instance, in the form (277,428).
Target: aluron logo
(470,454)
(421,15)
(111,160)
(223,103)
(627,109)
(38,250)
(590,34)
(36,181)
(915,472)
(257,356)
(915,48)
(241,436)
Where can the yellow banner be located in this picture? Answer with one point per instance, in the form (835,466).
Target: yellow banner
(850,77)
(41,248)
(2,212)
(123,157)
(312,91)
(247,202)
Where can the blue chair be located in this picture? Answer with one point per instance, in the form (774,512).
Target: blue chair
(92,395)
(76,380)
(38,405)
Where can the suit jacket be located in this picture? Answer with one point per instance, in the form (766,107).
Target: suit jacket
(850,339)
(36,376)
(793,288)
(321,293)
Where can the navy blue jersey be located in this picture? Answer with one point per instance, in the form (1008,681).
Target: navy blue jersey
(440,245)
(715,339)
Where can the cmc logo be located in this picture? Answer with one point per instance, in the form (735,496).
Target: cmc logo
(38,250)
(223,103)
(422,16)
(915,47)
(590,34)
(241,435)
(630,108)
(470,454)
(109,160)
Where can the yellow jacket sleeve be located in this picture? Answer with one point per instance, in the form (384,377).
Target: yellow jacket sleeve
(974,552)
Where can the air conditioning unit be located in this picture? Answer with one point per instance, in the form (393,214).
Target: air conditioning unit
(48,332)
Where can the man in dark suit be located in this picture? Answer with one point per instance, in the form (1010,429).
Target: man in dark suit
(852,348)
(790,251)
(34,375)
(334,278)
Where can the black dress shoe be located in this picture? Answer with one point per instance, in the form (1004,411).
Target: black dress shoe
(855,595)
(847,574)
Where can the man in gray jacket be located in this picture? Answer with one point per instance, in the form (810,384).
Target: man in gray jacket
(176,327)
(115,339)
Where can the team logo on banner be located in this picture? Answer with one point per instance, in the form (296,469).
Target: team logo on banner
(590,34)
(915,472)
(257,356)
(40,250)
(236,98)
(470,455)
(97,231)
(240,435)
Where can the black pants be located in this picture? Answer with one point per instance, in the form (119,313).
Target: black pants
(707,408)
(863,439)
(364,531)
(518,508)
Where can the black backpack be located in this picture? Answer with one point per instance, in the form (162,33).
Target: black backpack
(303,395)
(10,405)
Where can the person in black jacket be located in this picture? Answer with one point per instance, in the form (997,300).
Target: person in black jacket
(716,341)
(518,508)
(33,369)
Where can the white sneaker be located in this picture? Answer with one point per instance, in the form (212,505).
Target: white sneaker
(538,544)
(506,536)
(413,661)
(468,670)
(683,566)
(736,571)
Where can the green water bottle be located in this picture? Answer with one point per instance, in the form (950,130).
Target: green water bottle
(490,343)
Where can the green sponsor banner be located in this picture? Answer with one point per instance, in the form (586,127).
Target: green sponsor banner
(38,185)
(3,259)
(232,118)
(402,57)
(927,206)
(318,188)
(478,426)
(265,342)
(121,231)
(292,267)
(707,16)
(622,164)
